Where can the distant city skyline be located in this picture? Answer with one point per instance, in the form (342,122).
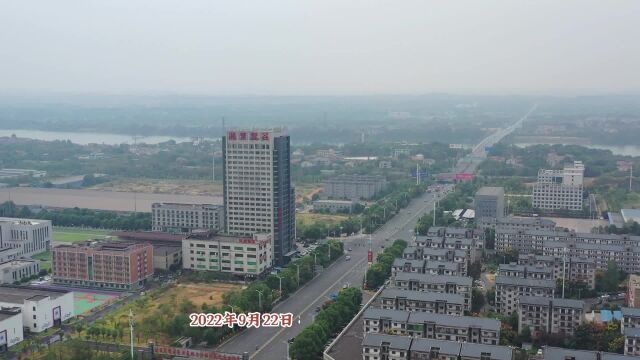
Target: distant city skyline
(286,47)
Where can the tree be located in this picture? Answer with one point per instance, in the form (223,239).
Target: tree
(477,300)
(525,334)
(610,279)
(489,238)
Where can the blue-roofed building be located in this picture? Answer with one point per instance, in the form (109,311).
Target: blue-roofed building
(606,315)
(630,215)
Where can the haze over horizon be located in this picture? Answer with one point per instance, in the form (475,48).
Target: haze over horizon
(285,47)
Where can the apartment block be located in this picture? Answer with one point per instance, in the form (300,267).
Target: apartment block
(392,347)
(427,267)
(40,308)
(560,189)
(421,301)
(115,265)
(15,270)
(584,248)
(517,223)
(246,256)
(354,187)
(549,316)
(460,285)
(576,269)
(432,326)
(630,328)
(259,197)
(11,325)
(184,218)
(525,271)
(510,289)
(430,255)
(489,203)
(30,237)
(554,353)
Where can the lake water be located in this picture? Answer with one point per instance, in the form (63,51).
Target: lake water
(83,138)
(625,150)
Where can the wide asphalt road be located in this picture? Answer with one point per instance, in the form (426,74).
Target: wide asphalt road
(270,343)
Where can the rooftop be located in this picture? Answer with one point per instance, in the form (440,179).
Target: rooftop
(490,191)
(394,342)
(493,351)
(395,315)
(451,348)
(421,295)
(453,320)
(18,294)
(511,280)
(6,313)
(627,311)
(540,300)
(435,279)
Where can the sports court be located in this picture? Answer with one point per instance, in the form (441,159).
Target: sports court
(84,301)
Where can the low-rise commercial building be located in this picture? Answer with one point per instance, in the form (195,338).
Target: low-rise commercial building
(392,347)
(115,265)
(240,255)
(460,285)
(421,301)
(15,270)
(432,326)
(40,308)
(549,316)
(509,289)
(30,237)
(184,218)
(334,206)
(10,327)
(167,257)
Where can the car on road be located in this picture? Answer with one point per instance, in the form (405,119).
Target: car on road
(347,258)
(350,249)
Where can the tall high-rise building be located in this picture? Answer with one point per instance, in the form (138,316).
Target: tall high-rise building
(258,194)
(559,189)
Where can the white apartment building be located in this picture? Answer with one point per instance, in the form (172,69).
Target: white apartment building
(560,189)
(184,218)
(10,328)
(576,269)
(421,301)
(248,256)
(258,195)
(40,308)
(30,237)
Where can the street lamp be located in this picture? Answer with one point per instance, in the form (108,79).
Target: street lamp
(298,273)
(287,343)
(280,278)
(259,299)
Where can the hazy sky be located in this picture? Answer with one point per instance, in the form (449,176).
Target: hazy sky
(300,47)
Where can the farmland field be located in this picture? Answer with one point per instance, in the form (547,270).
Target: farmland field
(312,218)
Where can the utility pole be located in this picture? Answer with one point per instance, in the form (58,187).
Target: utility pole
(630,176)
(131,330)
(298,273)
(417,174)
(280,278)
(434,213)
(259,299)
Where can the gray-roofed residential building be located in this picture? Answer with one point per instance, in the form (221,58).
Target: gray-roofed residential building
(632,341)
(630,318)
(485,352)
(455,328)
(509,289)
(525,271)
(437,283)
(422,301)
(429,349)
(549,316)
(387,347)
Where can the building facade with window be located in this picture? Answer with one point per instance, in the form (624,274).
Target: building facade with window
(30,237)
(259,197)
(40,308)
(560,189)
(184,218)
(247,256)
(115,265)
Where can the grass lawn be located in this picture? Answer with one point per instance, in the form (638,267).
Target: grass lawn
(72,235)
(45,260)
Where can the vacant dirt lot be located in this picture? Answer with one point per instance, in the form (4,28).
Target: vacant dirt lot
(199,293)
(180,187)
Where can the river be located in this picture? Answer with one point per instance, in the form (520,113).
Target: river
(84,138)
